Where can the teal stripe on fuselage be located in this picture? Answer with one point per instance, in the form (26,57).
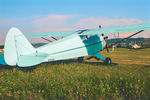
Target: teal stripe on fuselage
(91,48)
(93,44)
(72,46)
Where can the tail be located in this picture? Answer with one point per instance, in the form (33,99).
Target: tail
(16,45)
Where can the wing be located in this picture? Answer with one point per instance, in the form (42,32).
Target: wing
(50,34)
(118,29)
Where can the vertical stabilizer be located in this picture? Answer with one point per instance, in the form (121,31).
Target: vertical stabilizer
(16,45)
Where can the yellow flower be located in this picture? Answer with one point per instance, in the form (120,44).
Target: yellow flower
(42,91)
(18,92)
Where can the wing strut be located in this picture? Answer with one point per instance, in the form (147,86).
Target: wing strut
(126,38)
(54,38)
(129,36)
(46,39)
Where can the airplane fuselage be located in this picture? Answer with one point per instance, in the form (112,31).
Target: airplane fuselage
(72,46)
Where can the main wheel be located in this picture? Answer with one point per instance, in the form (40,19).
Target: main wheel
(108,61)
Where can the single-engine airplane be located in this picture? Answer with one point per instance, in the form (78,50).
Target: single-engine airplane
(136,46)
(18,51)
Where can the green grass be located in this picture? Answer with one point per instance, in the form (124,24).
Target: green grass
(127,78)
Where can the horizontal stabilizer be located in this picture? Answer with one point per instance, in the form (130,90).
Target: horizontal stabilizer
(2,60)
(31,60)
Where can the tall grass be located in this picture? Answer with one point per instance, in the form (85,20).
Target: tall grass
(75,80)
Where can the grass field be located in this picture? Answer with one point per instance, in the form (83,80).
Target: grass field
(128,77)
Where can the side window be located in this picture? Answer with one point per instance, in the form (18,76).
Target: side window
(85,37)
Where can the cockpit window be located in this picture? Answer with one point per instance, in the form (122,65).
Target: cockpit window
(84,38)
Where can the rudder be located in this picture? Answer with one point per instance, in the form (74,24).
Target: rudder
(16,45)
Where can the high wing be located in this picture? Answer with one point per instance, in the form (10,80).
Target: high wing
(50,34)
(116,29)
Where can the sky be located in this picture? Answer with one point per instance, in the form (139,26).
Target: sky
(59,15)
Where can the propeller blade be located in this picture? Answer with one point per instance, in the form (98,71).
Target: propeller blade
(107,48)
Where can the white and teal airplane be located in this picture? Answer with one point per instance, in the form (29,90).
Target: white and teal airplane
(18,51)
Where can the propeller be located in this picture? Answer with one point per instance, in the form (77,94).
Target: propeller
(106,38)
(107,48)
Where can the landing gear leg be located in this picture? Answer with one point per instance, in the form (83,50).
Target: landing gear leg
(106,61)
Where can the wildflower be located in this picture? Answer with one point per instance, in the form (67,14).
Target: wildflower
(23,91)
(22,79)
(121,78)
(114,96)
(41,98)
(42,91)
(30,98)
(5,93)
(35,96)
(18,92)
(29,92)
(3,89)
(130,84)
(143,82)
(77,92)
(39,91)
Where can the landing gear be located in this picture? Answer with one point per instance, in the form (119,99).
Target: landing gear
(80,59)
(108,61)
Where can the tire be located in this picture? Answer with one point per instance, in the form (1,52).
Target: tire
(80,59)
(108,61)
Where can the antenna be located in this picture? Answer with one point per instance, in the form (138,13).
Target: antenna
(118,34)
(100,26)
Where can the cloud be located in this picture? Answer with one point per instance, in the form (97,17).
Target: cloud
(92,22)
(61,22)
(5,22)
(52,21)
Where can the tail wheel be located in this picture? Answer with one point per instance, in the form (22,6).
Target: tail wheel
(80,59)
(108,61)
